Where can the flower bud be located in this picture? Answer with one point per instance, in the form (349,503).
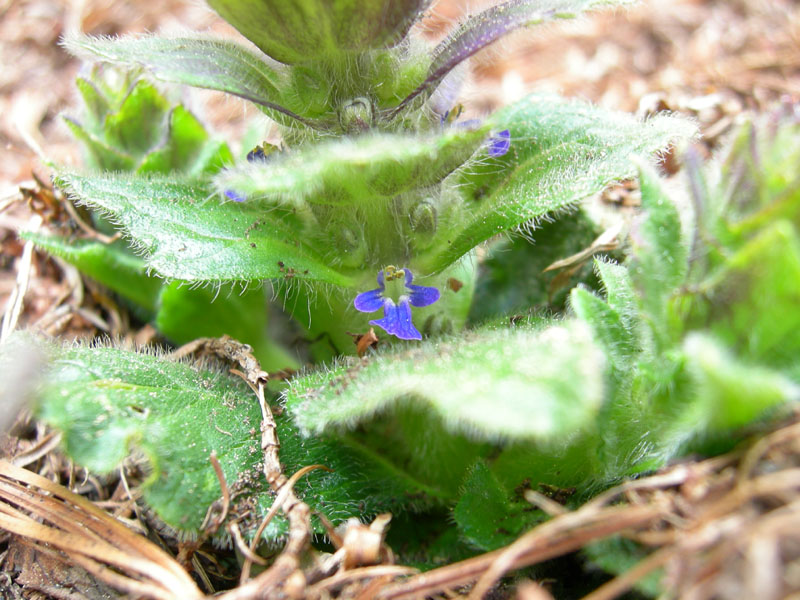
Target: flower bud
(424,217)
(356,115)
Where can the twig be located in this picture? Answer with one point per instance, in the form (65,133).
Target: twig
(277,503)
(14,305)
(248,553)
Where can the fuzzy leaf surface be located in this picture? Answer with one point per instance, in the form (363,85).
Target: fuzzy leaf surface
(486,516)
(660,258)
(730,393)
(197,61)
(543,384)
(561,152)
(111,264)
(186,233)
(760,285)
(350,170)
(110,402)
(186,148)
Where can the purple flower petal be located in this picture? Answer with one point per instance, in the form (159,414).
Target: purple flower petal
(235,196)
(369,301)
(396,321)
(420,295)
(257,154)
(500,143)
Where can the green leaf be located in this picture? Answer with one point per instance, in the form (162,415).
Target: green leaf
(180,312)
(139,124)
(196,61)
(186,313)
(753,299)
(543,384)
(186,233)
(97,105)
(609,328)
(512,278)
(486,516)
(187,148)
(98,153)
(110,403)
(620,294)
(307,30)
(730,393)
(617,555)
(113,265)
(659,257)
(351,170)
(561,152)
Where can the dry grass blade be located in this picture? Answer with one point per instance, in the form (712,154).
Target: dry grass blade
(87,536)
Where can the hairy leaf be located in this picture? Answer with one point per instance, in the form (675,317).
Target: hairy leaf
(608,326)
(729,393)
(355,170)
(543,384)
(486,516)
(561,152)
(110,403)
(187,148)
(186,233)
(113,265)
(757,293)
(659,262)
(197,61)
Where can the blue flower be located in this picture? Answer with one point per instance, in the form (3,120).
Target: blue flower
(235,196)
(500,143)
(396,319)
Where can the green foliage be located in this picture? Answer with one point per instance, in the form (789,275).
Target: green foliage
(486,517)
(561,153)
(110,403)
(512,278)
(306,30)
(130,126)
(544,384)
(197,61)
(186,236)
(348,170)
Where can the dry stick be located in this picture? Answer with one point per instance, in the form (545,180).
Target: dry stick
(540,544)
(277,503)
(249,555)
(760,448)
(296,511)
(361,573)
(208,525)
(15,300)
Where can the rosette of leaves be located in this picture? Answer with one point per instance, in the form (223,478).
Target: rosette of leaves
(375,170)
